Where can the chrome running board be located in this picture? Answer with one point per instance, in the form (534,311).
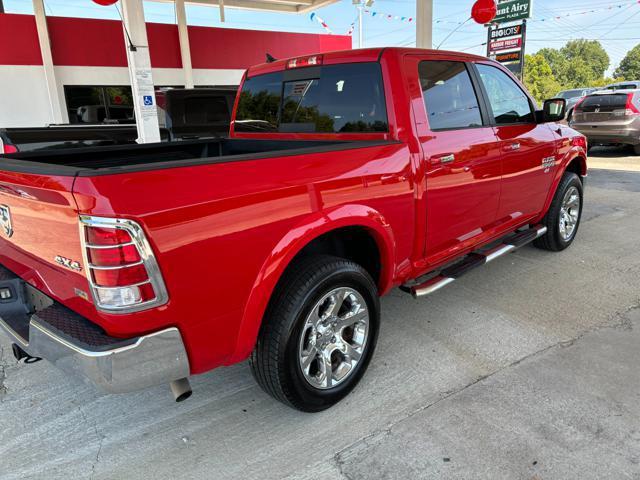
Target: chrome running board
(473,260)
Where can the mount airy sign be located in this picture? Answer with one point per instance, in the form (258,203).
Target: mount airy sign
(513,10)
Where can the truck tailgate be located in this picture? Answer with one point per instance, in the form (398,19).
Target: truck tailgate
(39,233)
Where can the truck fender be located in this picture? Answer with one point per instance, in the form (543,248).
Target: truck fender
(291,244)
(573,154)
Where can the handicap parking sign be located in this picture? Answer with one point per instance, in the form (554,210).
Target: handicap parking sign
(147,100)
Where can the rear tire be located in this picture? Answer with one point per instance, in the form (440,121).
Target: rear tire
(318,333)
(563,218)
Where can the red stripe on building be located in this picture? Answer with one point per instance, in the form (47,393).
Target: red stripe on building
(100,43)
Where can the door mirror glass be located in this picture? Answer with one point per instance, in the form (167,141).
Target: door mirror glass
(554,110)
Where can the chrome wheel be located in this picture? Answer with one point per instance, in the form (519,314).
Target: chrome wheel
(569,213)
(333,338)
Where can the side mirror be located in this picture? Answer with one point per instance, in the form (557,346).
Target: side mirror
(554,110)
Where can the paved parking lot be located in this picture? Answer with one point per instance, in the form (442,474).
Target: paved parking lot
(524,369)
(614,158)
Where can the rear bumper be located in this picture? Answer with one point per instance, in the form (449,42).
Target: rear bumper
(609,135)
(83,349)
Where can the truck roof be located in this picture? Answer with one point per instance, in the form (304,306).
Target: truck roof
(360,55)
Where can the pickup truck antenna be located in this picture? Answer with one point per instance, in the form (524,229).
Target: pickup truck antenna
(132,47)
(270,58)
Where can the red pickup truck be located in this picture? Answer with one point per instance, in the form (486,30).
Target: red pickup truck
(345,175)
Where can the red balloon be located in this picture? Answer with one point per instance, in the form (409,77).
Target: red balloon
(105,3)
(484,11)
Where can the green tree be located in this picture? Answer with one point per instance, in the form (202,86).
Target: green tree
(630,65)
(539,78)
(588,52)
(578,64)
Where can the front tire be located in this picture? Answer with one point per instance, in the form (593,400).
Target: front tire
(563,218)
(318,334)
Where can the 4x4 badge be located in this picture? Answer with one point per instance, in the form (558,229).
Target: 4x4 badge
(548,163)
(68,263)
(5,220)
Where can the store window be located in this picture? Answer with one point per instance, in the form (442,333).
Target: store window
(99,104)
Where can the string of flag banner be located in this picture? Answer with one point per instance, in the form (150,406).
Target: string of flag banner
(315,16)
(390,17)
(409,20)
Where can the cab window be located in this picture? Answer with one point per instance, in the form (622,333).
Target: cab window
(508,101)
(448,94)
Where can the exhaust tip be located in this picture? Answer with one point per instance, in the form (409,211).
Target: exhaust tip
(19,354)
(181,389)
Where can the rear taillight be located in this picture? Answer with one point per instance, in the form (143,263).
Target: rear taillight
(631,109)
(577,107)
(121,268)
(7,148)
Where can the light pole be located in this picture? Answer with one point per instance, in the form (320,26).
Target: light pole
(424,23)
(1,7)
(360,4)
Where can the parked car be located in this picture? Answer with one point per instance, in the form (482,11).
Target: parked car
(573,96)
(183,114)
(610,117)
(630,85)
(345,175)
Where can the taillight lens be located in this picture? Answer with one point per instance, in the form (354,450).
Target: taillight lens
(107,236)
(114,257)
(578,107)
(631,108)
(7,148)
(121,268)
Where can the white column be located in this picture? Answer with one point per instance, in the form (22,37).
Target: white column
(142,87)
(360,26)
(424,23)
(58,109)
(185,49)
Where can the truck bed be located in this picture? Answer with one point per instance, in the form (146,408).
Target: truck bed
(126,158)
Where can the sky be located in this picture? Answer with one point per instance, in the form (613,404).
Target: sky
(615,23)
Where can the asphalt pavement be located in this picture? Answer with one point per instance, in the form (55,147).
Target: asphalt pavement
(526,368)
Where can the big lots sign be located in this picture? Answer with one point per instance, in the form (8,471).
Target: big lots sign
(506,45)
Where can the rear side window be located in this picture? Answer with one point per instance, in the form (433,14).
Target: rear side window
(448,94)
(508,101)
(259,103)
(346,98)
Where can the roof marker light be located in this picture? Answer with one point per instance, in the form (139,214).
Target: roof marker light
(301,62)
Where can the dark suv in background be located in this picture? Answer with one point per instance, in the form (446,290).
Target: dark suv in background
(609,117)
(573,97)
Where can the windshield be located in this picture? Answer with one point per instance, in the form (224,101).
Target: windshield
(628,86)
(345,98)
(567,94)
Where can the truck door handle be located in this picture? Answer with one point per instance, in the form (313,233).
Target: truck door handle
(444,159)
(512,147)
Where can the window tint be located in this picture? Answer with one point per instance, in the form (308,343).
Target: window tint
(259,103)
(567,94)
(345,98)
(508,102)
(448,95)
(605,103)
(342,98)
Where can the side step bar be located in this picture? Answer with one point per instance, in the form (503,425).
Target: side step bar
(451,274)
